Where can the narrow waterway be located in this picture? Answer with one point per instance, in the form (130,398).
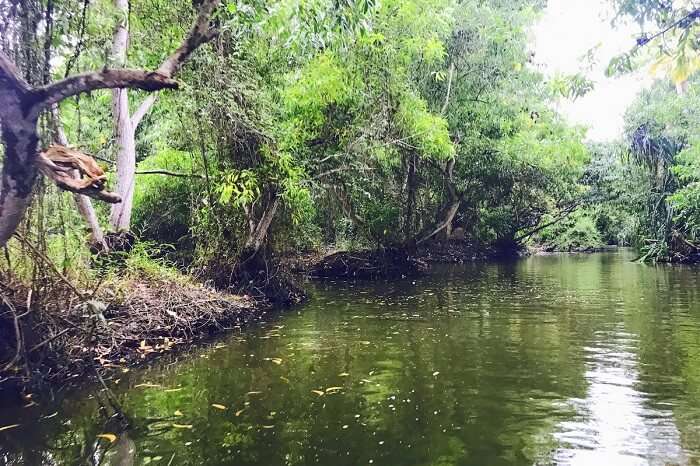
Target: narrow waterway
(562,359)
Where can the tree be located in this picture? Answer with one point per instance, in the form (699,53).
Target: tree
(671,47)
(21,105)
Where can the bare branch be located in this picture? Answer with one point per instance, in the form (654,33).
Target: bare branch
(105,79)
(169,173)
(201,33)
(142,110)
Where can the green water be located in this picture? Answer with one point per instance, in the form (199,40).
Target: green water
(551,360)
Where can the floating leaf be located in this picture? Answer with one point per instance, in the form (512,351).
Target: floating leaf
(109,437)
(239,412)
(147,385)
(178,413)
(253,393)
(218,406)
(284,379)
(343,374)
(435,374)
(318,392)
(12,426)
(333,389)
(268,427)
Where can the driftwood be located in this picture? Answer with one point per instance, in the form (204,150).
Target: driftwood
(60,163)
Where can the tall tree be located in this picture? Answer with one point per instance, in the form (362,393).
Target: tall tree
(125,125)
(21,105)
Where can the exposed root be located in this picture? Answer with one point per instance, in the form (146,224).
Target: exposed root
(385,263)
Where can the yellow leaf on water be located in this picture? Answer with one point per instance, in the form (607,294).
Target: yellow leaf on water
(170,390)
(147,385)
(318,392)
(284,379)
(268,427)
(109,437)
(182,426)
(436,373)
(333,389)
(343,374)
(178,413)
(12,426)
(218,406)
(253,393)
(239,412)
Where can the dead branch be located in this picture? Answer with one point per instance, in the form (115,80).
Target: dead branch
(59,163)
(169,173)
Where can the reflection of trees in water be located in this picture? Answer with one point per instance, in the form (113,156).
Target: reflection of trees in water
(497,362)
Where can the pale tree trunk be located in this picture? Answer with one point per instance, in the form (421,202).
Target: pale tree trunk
(682,87)
(411,190)
(124,133)
(259,230)
(85,207)
(125,125)
(21,105)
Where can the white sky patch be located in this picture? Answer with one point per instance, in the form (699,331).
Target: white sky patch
(563,36)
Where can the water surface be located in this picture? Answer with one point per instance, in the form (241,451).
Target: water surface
(562,359)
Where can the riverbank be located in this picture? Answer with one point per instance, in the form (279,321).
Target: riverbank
(392,263)
(128,321)
(143,312)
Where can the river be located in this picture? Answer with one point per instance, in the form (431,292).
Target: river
(561,359)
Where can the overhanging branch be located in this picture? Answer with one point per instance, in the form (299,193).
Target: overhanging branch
(106,79)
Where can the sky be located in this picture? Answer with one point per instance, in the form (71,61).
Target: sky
(566,32)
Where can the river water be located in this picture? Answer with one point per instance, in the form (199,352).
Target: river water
(562,359)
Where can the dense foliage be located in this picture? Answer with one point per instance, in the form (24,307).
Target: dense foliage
(303,125)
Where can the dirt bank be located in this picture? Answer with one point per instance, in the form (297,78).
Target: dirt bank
(47,345)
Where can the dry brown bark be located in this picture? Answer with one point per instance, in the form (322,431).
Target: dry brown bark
(84,204)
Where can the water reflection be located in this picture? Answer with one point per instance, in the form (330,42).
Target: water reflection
(560,359)
(616,425)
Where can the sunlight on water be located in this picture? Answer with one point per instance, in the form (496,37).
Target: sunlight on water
(617,426)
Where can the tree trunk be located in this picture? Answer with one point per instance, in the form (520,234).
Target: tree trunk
(258,233)
(120,216)
(124,134)
(411,188)
(21,105)
(19,170)
(447,215)
(448,212)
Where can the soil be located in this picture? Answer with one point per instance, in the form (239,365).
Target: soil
(142,319)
